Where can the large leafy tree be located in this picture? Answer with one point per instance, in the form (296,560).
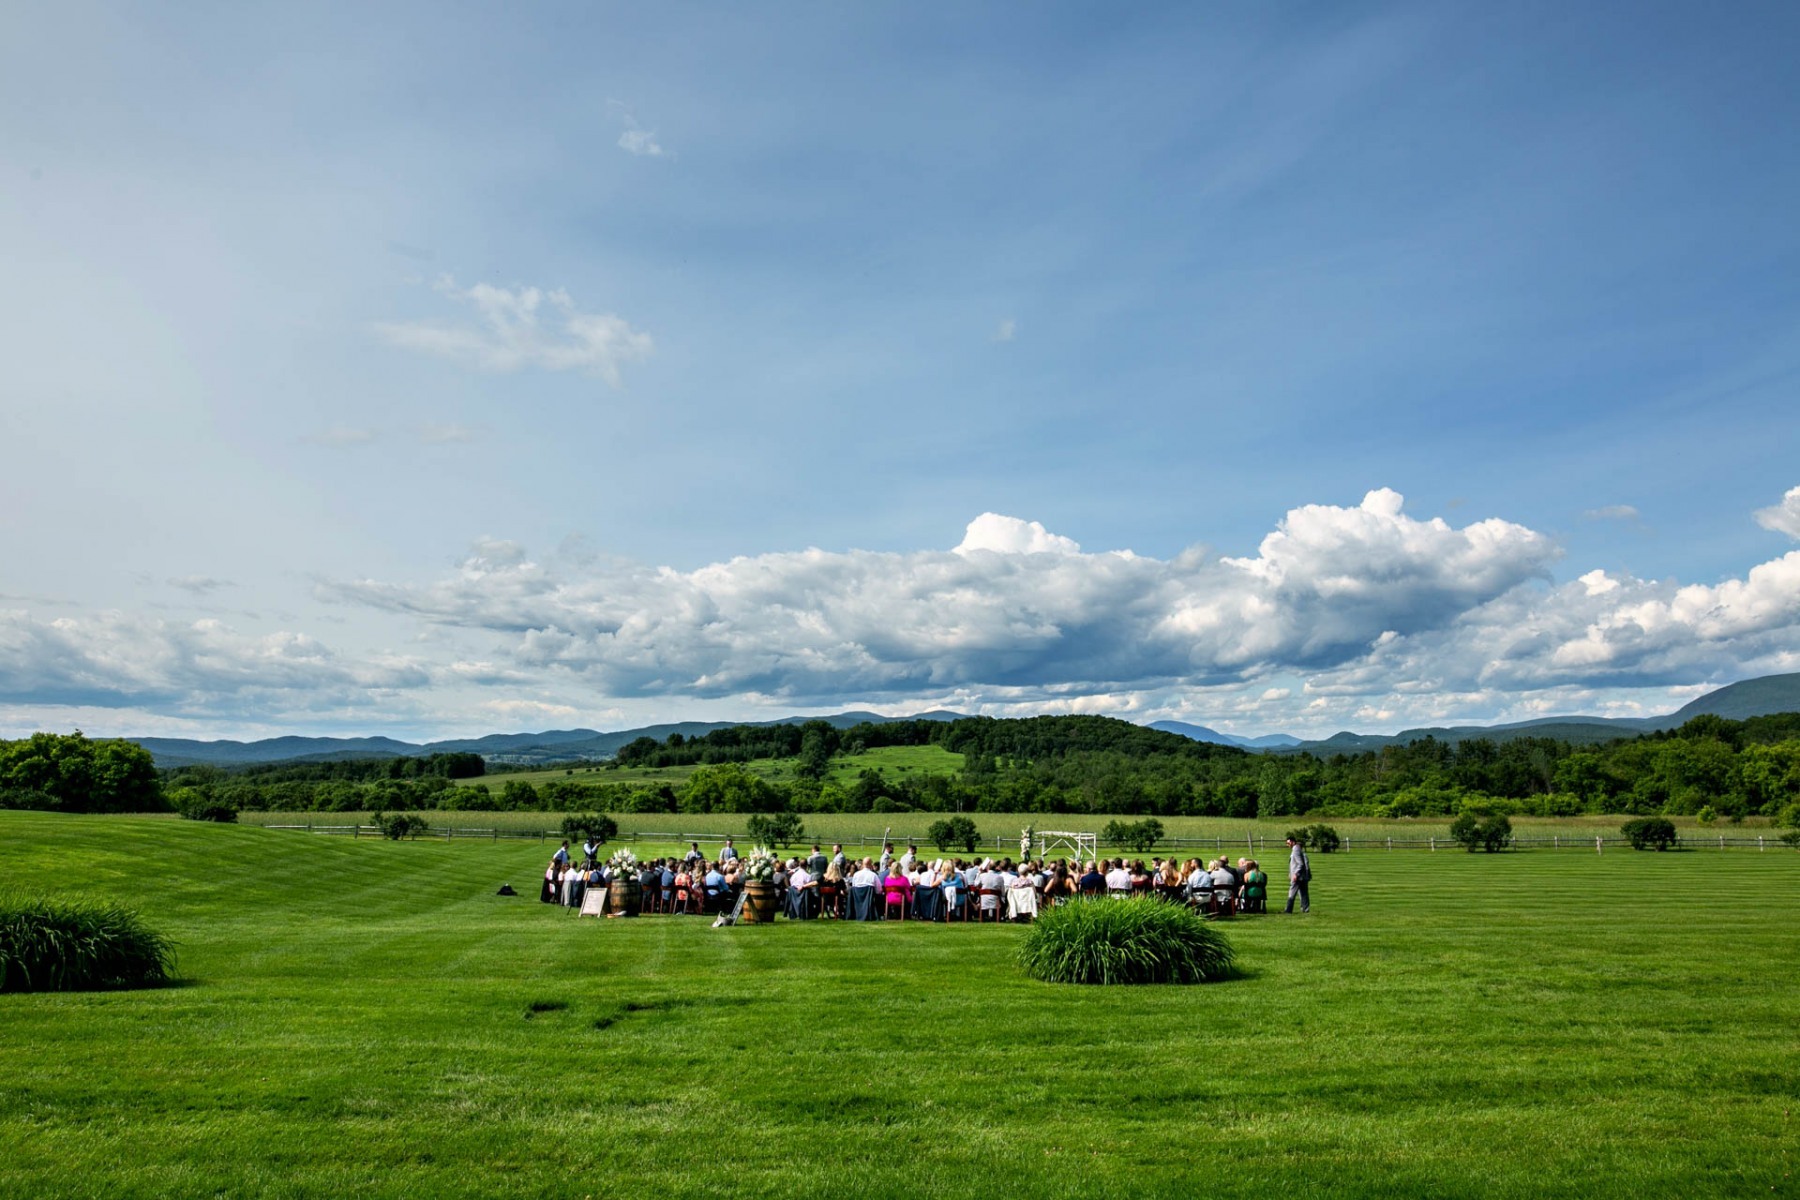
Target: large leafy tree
(78,774)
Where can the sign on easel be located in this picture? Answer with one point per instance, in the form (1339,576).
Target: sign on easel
(593,904)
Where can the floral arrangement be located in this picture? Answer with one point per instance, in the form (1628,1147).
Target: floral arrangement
(622,863)
(759,865)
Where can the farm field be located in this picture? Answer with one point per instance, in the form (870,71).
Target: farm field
(1002,829)
(368,1017)
(895,760)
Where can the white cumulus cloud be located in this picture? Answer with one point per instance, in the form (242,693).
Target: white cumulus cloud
(524,327)
(1783,517)
(1012,606)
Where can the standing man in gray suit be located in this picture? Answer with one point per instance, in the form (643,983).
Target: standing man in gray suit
(1299,875)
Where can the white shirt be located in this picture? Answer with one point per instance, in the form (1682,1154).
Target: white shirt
(865,878)
(1199,878)
(1118,880)
(799,878)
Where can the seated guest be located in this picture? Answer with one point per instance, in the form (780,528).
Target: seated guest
(684,886)
(897,888)
(831,889)
(1093,883)
(993,887)
(1140,877)
(714,882)
(668,879)
(1256,888)
(1225,886)
(865,876)
(1118,880)
(950,879)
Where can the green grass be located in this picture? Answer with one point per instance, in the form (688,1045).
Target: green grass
(1139,940)
(1227,833)
(889,760)
(76,946)
(366,1017)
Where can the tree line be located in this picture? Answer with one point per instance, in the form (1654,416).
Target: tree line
(1710,767)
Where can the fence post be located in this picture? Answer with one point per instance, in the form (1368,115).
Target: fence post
(356,831)
(1390,843)
(1434,843)
(1759,844)
(1597,849)
(1721,841)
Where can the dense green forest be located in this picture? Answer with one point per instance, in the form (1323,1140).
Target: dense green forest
(1710,766)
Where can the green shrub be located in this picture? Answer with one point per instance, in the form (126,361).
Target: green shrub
(954,831)
(199,804)
(27,798)
(52,946)
(1123,941)
(1140,836)
(775,829)
(1482,831)
(598,826)
(400,825)
(1649,833)
(1322,838)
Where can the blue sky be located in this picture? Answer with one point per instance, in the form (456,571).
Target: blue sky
(440,369)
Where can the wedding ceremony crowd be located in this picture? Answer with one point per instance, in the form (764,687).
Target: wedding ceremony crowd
(906,886)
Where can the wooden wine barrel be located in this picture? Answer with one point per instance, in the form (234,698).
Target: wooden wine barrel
(622,896)
(759,904)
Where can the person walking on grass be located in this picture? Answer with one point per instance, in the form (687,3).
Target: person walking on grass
(1299,875)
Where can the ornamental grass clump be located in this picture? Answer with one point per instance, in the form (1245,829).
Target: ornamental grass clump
(1124,941)
(51,946)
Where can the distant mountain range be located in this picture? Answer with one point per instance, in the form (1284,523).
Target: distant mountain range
(1737,701)
(1751,698)
(1200,733)
(553,745)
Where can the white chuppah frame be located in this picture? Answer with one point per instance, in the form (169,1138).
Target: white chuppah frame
(1085,846)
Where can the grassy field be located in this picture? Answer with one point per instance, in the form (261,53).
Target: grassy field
(363,1017)
(889,760)
(1003,828)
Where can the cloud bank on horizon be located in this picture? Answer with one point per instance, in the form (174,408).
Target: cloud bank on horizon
(1380,617)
